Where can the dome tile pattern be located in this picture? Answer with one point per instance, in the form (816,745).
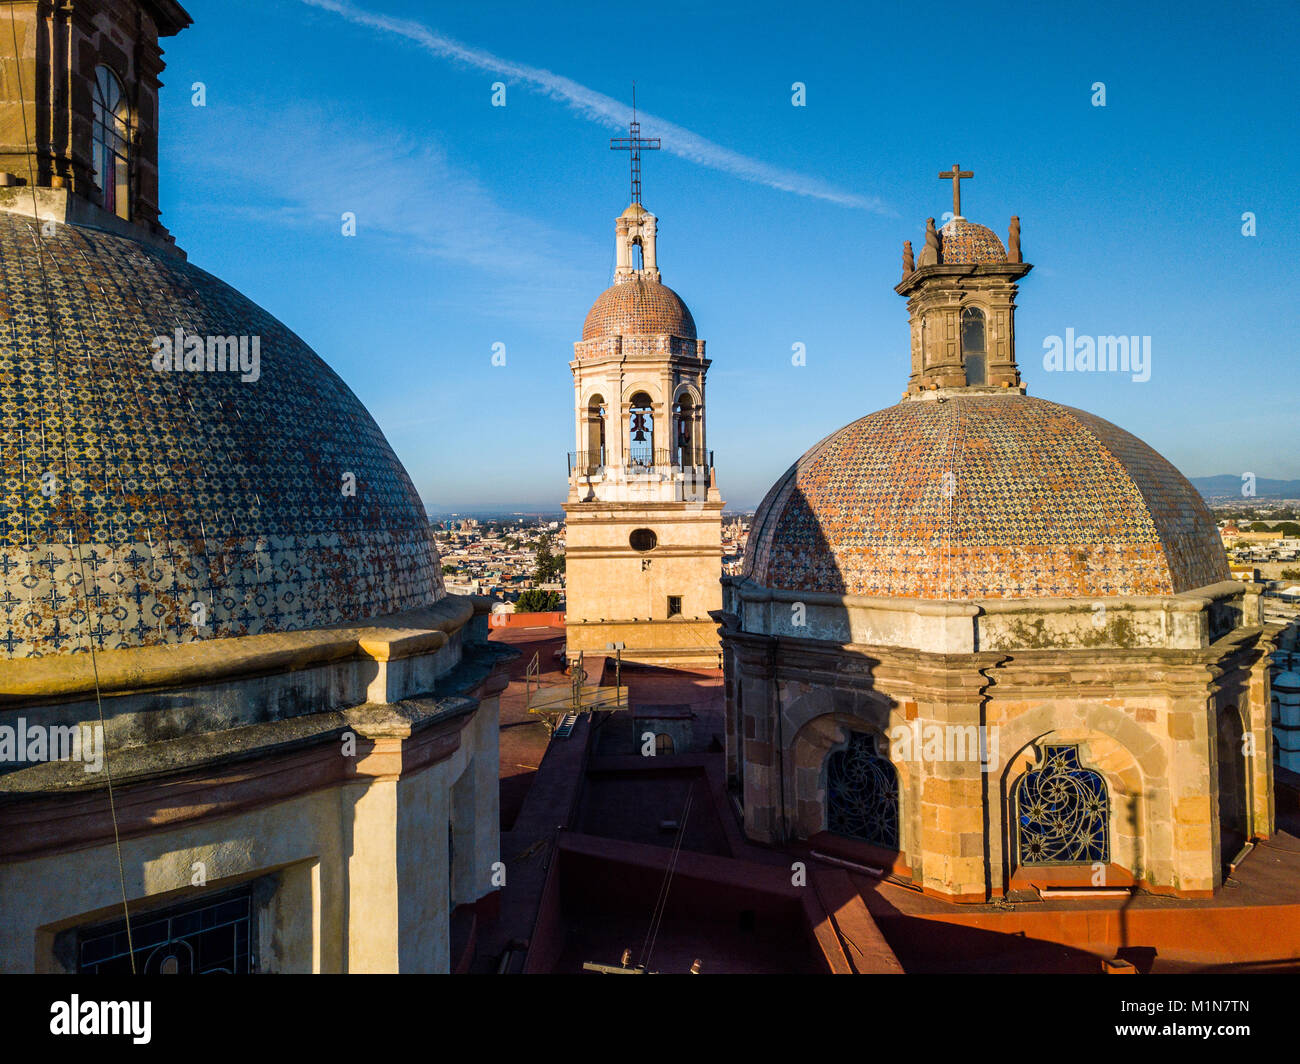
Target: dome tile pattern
(142,507)
(638,307)
(962,241)
(1006,497)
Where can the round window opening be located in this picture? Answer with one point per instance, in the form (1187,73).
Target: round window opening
(643,540)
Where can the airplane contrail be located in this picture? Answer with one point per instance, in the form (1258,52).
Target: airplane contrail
(605,110)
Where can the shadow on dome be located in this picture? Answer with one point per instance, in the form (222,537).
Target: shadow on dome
(821,569)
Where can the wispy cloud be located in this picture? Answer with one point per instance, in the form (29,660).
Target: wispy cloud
(302,162)
(605,110)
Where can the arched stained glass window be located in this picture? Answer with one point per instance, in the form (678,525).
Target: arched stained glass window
(862,793)
(112,149)
(1062,811)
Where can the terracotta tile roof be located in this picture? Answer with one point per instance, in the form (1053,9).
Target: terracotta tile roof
(1042,501)
(638,307)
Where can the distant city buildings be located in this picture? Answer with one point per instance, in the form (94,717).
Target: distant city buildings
(498,558)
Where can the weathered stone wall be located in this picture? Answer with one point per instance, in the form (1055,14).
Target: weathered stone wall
(363,870)
(273,772)
(1148,718)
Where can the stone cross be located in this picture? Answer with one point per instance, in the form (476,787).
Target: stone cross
(955,175)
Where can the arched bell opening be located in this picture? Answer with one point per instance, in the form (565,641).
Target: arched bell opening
(593,461)
(685,416)
(641,432)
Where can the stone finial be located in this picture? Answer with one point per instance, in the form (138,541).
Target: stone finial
(1013,243)
(930,253)
(908,264)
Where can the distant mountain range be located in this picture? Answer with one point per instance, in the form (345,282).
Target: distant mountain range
(1229,485)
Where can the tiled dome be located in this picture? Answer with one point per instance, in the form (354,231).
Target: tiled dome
(167,489)
(962,241)
(638,307)
(1043,501)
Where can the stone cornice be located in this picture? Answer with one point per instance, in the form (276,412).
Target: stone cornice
(57,806)
(168,16)
(195,778)
(1143,623)
(1188,601)
(383,639)
(995,271)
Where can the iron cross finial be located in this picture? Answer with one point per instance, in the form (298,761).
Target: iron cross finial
(634,144)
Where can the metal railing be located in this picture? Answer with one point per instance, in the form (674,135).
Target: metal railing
(587,463)
(680,460)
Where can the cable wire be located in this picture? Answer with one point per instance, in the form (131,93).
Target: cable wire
(74,541)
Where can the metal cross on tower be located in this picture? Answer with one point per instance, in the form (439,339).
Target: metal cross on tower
(955,175)
(634,144)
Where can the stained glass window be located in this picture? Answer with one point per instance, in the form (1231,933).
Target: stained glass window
(211,935)
(862,793)
(1062,811)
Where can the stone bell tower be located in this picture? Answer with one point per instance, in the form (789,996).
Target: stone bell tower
(961,296)
(79,111)
(644,517)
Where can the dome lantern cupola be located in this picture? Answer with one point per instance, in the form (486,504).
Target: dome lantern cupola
(79,113)
(635,232)
(961,298)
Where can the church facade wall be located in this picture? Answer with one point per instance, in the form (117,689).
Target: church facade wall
(615,593)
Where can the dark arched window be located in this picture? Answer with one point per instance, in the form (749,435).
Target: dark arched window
(973,351)
(664,743)
(112,147)
(862,793)
(1062,811)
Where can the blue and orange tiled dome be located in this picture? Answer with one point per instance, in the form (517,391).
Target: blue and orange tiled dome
(638,307)
(176,488)
(962,241)
(1042,501)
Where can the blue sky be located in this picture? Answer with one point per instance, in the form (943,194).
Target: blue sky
(479,225)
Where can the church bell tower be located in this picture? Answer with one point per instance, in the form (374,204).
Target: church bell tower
(644,517)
